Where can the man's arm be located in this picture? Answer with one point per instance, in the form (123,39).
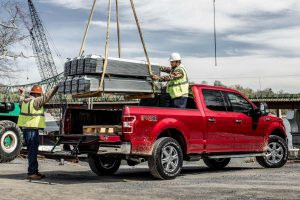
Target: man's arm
(165,69)
(39,102)
(22,95)
(177,74)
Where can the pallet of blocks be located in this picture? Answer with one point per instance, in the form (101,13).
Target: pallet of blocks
(126,77)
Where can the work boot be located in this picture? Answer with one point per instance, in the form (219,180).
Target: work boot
(34,177)
(41,175)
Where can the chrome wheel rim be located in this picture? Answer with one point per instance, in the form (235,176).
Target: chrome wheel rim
(169,158)
(274,153)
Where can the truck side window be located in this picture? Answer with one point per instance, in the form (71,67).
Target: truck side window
(239,103)
(214,100)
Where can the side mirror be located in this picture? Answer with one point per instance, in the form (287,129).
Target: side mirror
(263,107)
(255,113)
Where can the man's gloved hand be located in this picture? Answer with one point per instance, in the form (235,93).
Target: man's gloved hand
(155,77)
(21,91)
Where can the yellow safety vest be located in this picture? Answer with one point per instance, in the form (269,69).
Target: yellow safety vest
(179,87)
(30,117)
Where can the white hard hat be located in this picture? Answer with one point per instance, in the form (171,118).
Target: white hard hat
(175,57)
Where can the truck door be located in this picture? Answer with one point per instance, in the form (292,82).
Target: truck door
(220,123)
(249,132)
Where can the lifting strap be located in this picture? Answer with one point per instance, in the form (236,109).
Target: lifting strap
(118,28)
(142,40)
(101,88)
(101,84)
(87,28)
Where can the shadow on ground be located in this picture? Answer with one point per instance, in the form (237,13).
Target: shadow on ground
(123,175)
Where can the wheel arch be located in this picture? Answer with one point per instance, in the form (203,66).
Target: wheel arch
(176,135)
(280,133)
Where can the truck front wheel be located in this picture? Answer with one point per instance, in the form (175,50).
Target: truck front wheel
(103,166)
(167,159)
(10,141)
(219,163)
(276,155)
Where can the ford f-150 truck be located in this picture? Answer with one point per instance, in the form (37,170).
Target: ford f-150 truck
(218,124)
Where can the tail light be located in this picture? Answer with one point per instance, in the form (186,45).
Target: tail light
(128,122)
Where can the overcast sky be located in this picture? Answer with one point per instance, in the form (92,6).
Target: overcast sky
(258,40)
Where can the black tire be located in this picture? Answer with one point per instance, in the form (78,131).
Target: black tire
(103,166)
(276,155)
(11,140)
(162,170)
(219,163)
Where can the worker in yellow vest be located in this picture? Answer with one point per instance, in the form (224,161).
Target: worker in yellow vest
(31,120)
(177,81)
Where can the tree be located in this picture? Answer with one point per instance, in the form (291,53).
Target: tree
(204,83)
(246,91)
(10,34)
(219,83)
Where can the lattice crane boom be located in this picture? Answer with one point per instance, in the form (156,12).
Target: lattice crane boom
(41,49)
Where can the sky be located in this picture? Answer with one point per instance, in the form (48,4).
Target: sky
(258,41)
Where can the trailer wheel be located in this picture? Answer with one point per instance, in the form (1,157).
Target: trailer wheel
(10,141)
(167,159)
(219,163)
(276,155)
(103,166)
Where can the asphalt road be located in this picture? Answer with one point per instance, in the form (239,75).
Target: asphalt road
(240,180)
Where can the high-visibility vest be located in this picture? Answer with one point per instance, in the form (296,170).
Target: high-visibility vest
(179,87)
(30,117)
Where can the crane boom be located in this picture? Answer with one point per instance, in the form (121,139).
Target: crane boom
(41,49)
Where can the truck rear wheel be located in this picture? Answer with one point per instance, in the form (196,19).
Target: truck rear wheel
(103,166)
(276,155)
(167,159)
(219,163)
(10,141)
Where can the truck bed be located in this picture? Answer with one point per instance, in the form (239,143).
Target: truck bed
(82,117)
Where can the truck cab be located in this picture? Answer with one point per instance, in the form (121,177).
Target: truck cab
(217,125)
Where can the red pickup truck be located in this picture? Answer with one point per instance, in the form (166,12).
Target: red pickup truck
(217,125)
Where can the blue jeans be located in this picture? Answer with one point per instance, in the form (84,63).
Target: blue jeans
(31,137)
(179,102)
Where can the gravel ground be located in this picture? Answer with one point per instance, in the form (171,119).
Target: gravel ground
(240,180)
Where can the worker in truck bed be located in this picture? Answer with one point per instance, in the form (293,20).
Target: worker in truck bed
(177,81)
(31,120)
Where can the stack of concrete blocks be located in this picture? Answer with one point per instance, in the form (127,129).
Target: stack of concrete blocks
(123,76)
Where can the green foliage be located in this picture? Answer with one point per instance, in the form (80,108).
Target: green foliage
(249,92)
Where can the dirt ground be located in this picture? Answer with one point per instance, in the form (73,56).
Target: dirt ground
(240,180)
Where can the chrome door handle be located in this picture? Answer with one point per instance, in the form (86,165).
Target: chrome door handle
(238,121)
(211,119)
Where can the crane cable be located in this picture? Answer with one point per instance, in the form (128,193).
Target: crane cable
(143,42)
(215,32)
(87,28)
